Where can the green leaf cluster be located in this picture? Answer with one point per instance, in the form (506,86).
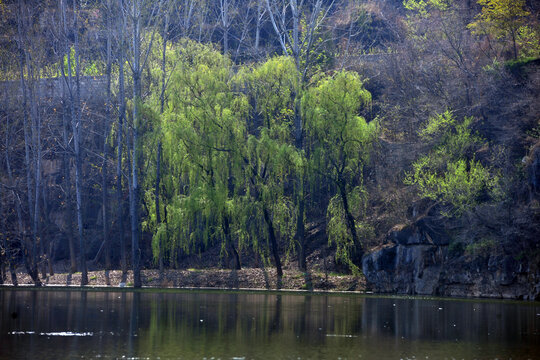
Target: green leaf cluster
(449,173)
(202,129)
(500,17)
(230,165)
(423,7)
(503,20)
(341,141)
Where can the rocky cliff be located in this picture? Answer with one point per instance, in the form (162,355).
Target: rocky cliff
(421,259)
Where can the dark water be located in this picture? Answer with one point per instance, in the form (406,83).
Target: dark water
(197,325)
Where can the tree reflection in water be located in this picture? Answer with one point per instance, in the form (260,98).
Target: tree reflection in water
(198,324)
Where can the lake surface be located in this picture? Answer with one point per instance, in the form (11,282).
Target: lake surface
(48,324)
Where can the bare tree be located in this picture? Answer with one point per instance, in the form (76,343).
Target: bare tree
(202,16)
(75,114)
(119,142)
(245,20)
(261,13)
(7,253)
(29,138)
(68,197)
(77,125)
(3,247)
(106,125)
(186,11)
(137,61)
(226,16)
(62,37)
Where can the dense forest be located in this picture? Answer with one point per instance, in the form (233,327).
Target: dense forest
(314,134)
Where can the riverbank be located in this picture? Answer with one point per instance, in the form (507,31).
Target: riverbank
(248,278)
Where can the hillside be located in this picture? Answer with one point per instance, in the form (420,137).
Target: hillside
(397,142)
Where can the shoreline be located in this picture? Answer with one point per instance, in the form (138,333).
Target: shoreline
(247,278)
(299,292)
(336,285)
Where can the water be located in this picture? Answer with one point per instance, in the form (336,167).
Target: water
(197,325)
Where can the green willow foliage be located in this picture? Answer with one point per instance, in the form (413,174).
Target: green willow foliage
(449,173)
(229,159)
(270,159)
(342,142)
(202,130)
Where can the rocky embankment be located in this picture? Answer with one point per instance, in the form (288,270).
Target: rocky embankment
(417,259)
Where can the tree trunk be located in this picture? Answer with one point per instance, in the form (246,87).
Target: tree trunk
(258,26)
(158,214)
(76,125)
(119,201)
(351,224)
(35,124)
(348,44)
(230,243)
(134,207)
(6,257)
(226,41)
(300,200)
(8,254)
(47,246)
(42,245)
(300,234)
(137,65)
(300,231)
(273,243)
(36,152)
(186,19)
(27,255)
(67,178)
(48,249)
(134,189)
(225,24)
(74,97)
(4,253)
(28,167)
(107,121)
(121,117)
(158,164)
(514,44)
(164,64)
(50,258)
(30,256)
(18,208)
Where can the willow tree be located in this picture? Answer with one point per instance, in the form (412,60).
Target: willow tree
(271,160)
(342,142)
(297,25)
(202,130)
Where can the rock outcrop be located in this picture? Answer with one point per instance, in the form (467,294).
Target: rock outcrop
(533,170)
(417,260)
